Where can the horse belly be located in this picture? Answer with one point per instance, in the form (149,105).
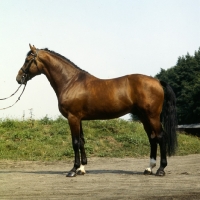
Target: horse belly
(108,110)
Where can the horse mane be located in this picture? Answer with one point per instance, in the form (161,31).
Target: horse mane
(61,56)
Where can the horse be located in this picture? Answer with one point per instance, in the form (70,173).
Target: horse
(82,96)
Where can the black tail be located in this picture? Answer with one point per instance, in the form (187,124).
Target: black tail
(169,119)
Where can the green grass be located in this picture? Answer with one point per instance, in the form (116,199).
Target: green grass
(49,140)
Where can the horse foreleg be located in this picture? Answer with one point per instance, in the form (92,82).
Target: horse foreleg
(74,124)
(153,154)
(81,169)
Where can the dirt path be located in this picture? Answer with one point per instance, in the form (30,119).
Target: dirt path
(106,178)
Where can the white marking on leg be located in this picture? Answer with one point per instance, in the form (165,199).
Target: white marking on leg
(82,169)
(152,165)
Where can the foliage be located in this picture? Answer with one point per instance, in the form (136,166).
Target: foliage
(184,78)
(48,139)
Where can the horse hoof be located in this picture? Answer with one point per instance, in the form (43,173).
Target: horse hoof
(160,173)
(147,172)
(71,174)
(79,172)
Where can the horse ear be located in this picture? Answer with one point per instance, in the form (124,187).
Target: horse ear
(30,46)
(33,49)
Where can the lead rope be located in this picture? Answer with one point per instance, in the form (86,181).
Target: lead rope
(12,95)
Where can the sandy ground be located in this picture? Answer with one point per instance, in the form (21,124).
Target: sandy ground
(106,178)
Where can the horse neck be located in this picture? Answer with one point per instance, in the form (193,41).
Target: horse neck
(59,72)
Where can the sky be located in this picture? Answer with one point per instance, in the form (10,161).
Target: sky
(107,38)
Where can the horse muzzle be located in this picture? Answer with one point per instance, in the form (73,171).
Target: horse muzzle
(22,79)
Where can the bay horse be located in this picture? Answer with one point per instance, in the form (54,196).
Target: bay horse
(82,96)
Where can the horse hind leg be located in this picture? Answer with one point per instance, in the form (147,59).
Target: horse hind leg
(153,150)
(163,155)
(153,154)
(161,140)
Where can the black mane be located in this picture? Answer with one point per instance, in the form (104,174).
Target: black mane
(57,54)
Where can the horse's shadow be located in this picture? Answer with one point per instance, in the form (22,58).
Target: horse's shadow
(114,172)
(123,172)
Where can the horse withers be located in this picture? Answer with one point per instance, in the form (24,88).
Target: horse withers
(82,96)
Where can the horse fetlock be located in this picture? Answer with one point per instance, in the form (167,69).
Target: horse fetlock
(81,170)
(148,171)
(152,163)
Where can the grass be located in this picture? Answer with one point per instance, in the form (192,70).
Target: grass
(49,140)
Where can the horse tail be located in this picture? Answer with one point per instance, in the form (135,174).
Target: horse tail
(169,119)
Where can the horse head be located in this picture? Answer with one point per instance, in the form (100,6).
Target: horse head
(30,67)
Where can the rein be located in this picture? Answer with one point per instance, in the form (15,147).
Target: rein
(13,95)
(24,80)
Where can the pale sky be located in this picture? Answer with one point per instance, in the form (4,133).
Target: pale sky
(107,38)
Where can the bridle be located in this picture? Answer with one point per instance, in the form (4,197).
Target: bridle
(24,79)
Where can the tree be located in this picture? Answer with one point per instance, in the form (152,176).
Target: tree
(184,78)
